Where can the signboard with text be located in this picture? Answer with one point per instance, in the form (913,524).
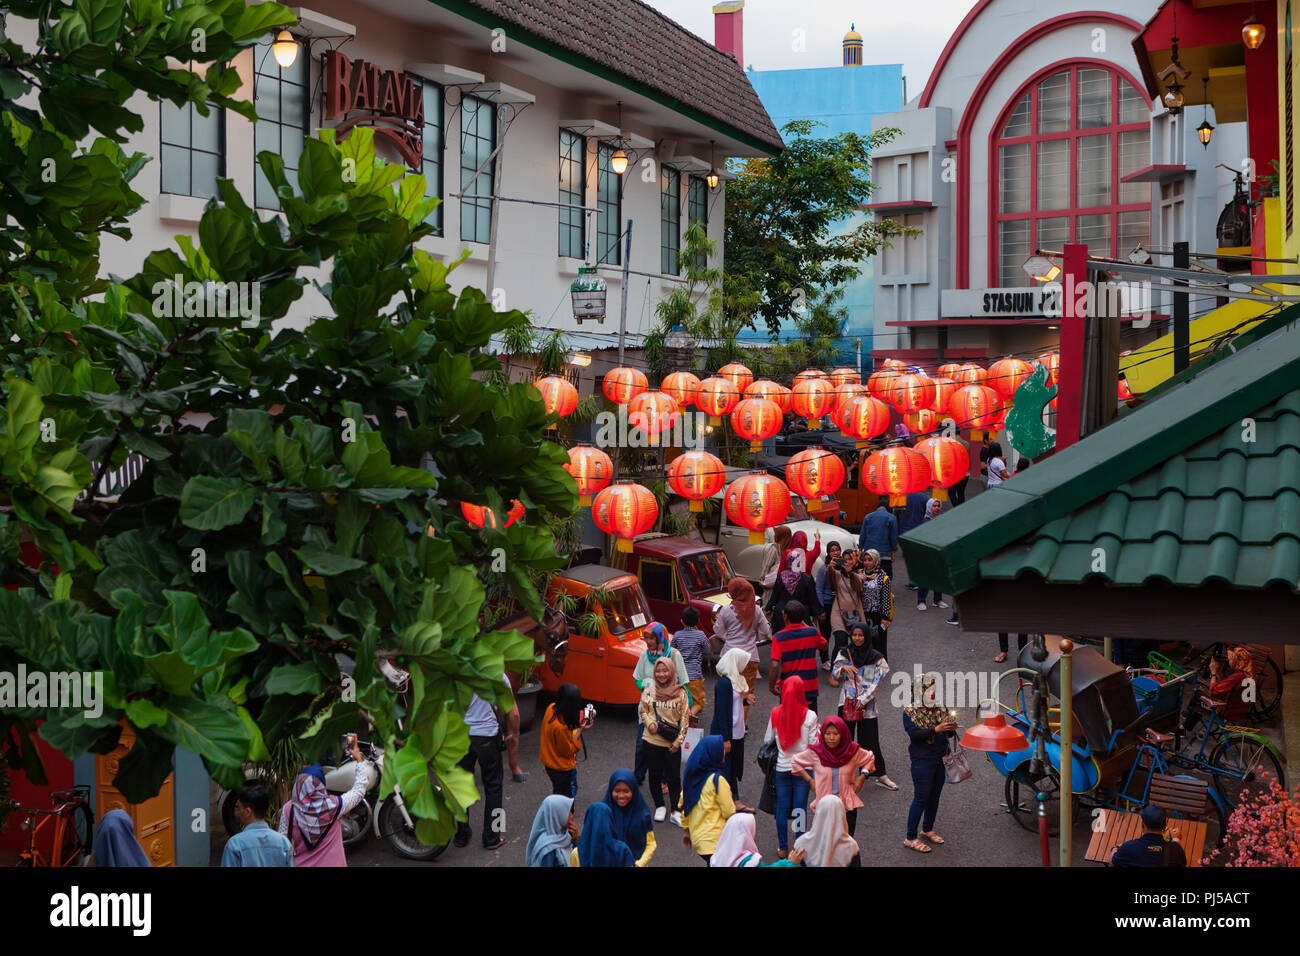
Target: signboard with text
(390,102)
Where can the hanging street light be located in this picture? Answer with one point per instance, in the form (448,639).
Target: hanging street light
(1041,268)
(1205,132)
(713,177)
(1253,33)
(285,49)
(618,162)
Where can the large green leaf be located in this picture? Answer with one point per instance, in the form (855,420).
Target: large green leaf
(210,504)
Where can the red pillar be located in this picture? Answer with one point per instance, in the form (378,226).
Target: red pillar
(1074,280)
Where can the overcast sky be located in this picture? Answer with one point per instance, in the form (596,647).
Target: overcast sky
(912,32)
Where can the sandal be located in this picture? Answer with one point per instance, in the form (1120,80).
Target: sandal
(917,845)
(1000,658)
(934,838)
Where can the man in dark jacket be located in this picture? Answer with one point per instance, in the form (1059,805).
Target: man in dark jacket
(1151,848)
(880,531)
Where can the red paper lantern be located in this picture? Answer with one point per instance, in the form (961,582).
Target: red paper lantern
(943,392)
(591,470)
(896,365)
(863,418)
(696,475)
(653,413)
(1125,393)
(558,395)
(481,516)
(810,373)
(970,375)
(948,371)
(949,463)
(845,376)
(756,419)
(757,501)
(1052,360)
(896,471)
(717,397)
(812,398)
(625,510)
(1005,376)
(814,473)
(975,407)
(623,384)
(921,422)
(737,375)
(913,393)
(682,386)
(844,394)
(766,388)
(881,384)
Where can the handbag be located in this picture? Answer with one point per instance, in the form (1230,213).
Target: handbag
(767,756)
(668,731)
(853,711)
(954,763)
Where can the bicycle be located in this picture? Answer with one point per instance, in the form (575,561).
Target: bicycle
(69,825)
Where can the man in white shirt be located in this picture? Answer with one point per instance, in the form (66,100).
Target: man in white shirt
(486,744)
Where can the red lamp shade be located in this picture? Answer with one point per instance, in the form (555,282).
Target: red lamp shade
(1006,375)
(481,516)
(625,510)
(881,383)
(623,384)
(994,735)
(948,371)
(591,470)
(682,386)
(949,463)
(810,373)
(970,375)
(766,388)
(813,398)
(863,418)
(652,412)
(844,394)
(696,475)
(757,501)
(1053,362)
(922,422)
(813,473)
(943,391)
(975,407)
(845,376)
(913,393)
(558,395)
(717,397)
(1125,393)
(897,471)
(737,375)
(756,419)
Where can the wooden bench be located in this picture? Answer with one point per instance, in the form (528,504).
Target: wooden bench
(1114,827)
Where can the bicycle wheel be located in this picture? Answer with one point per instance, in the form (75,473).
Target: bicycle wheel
(1268,689)
(1239,762)
(78,836)
(1022,800)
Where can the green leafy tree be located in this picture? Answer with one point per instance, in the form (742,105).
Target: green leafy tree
(298,507)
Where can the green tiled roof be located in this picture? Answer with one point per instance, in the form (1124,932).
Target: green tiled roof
(1174,492)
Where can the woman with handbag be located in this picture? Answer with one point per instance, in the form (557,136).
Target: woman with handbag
(861,668)
(665,712)
(844,582)
(836,766)
(930,728)
(793,727)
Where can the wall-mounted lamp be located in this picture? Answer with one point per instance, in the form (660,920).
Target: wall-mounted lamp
(285,48)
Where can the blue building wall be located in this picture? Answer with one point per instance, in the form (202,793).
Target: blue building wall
(843,99)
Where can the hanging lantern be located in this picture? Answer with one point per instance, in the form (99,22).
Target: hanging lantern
(558,395)
(815,473)
(591,470)
(1005,376)
(896,471)
(881,383)
(682,386)
(921,422)
(757,419)
(912,393)
(948,371)
(812,398)
(717,397)
(975,407)
(845,376)
(623,384)
(1052,361)
(808,373)
(943,391)
(766,388)
(653,413)
(481,516)
(949,463)
(757,501)
(696,475)
(863,418)
(893,365)
(737,375)
(1125,393)
(1253,32)
(971,375)
(625,510)
(587,293)
(844,394)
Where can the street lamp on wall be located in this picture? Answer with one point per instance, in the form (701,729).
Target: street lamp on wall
(618,162)
(713,177)
(285,49)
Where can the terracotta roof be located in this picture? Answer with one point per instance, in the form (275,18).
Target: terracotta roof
(647,52)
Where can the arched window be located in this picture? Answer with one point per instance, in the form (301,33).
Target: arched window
(1065,142)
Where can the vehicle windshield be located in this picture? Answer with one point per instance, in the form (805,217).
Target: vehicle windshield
(626,610)
(706,572)
(798,509)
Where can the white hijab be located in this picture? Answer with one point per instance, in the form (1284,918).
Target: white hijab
(730,665)
(828,842)
(737,842)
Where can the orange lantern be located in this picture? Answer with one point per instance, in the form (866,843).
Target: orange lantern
(481,516)
(756,419)
(717,397)
(844,394)
(1052,360)
(766,388)
(1005,375)
(970,375)
(881,383)
(896,471)
(558,395)
(913,392)
(845,376)
(623,384)
(810,373)
(653,413)
(975,407)
(737,375)
(949,463)
(895,365)
(814,473)
(625,510)
(682,386)
(591,470)
(813,398)
(1125,393)
(948,371)
(696,475)
(863,418)
(921,422)
(943,389)
(757,501)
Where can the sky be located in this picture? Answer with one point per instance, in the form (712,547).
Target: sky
(912,32)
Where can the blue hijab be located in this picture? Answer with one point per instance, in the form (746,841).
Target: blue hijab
(115,842)
(706,760)
(549,842)
(599,845)
(633,822)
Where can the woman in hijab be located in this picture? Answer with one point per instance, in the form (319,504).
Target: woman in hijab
(861,668)
(115,842)
(793,725)
(828,842)
(732,696)
(741,625)
(794,584)
(930,728)
(837,767)
(877,599)
(706,802)
(631,816)
(561,739)
(554,833)
(844,587)
(773,554)
(665,713)
(933,508)
(799,542)
(658,644)
(310,818)
(736,846)
(598,845)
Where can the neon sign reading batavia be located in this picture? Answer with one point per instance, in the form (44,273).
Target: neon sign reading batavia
(390,102)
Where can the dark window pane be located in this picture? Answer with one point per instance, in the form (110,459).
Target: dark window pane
(207,167)
(175,124)
(175,162)
(207,131)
